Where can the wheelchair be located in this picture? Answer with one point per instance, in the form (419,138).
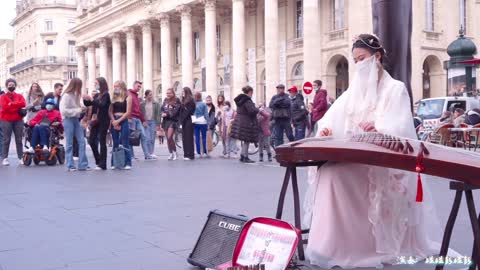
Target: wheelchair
(56,152)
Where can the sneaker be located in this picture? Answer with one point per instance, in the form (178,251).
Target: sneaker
(5,162)
(20,161)
(98,168)
(207,156)
(85,169)
(30,150)
(150,158)
(187,159)
(73,169)
(75,158)
(153,156)
(45,149)
(174,156)
(127,168)
(113,168)
(170,157)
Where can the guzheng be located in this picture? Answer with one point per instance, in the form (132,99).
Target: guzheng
(386,151)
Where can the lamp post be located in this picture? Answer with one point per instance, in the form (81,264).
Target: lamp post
(461,73)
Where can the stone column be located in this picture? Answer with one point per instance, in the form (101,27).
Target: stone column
(116,57)
(92,67)
(131,56)
(187,46)
(81,66)
(211,48)
(272,55)
(166,52)
(103,57)
(312,40)
(239,47)
(147,57)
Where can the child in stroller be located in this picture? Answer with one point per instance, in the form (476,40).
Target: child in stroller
(44,133)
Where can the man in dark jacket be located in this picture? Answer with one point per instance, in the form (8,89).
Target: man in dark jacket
(299,113)
(281,115)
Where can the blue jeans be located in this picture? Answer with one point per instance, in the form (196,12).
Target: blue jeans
(200,130)
(122,137)
(300,132)
(74,129)
(136,124)
(231,145)
(40,132)
(150,133)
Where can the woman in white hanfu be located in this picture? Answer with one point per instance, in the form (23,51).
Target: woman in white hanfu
(360,215)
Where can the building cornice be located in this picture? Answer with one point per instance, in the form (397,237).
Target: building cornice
(28,11)
(87,24)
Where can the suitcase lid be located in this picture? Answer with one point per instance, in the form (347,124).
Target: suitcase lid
(267,241)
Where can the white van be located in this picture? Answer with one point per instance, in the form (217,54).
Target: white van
(430,110)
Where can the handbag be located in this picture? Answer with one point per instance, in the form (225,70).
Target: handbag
(199,120)
(134,137)
(118,156)
(22,112)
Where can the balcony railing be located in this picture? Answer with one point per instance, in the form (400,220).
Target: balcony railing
(430,35)
(296,43)
(43,61)
(337,35)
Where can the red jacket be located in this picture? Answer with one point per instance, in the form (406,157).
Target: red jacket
(10,103)
(136,112)
(320,105)
(53,116)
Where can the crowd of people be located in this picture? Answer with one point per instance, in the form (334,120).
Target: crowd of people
(122,119)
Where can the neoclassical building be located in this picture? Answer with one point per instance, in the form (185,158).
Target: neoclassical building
(218,46)
(44,49)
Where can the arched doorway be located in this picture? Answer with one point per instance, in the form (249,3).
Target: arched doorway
(297,75)
(432,77)
(337,75)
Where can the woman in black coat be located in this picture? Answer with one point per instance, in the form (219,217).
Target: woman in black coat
(245,126)
(188,108)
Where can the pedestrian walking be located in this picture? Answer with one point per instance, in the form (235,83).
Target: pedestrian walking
(245,126)
(35,99)
(212,123)
(265,133)
(152,111)
(228,115)
(201,119)
(299,113)
(119,112)
(170,115)
(12,111)
(186,112)
(71,109)
(281,114)
(99,124)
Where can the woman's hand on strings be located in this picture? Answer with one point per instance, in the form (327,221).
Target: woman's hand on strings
(368,126)
(326,132)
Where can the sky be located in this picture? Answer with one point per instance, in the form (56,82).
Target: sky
(7,13)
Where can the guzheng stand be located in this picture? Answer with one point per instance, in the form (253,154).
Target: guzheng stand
(459,187)
(291,173)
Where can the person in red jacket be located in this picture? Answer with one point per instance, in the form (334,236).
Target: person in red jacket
(320,104)
(41,123)
(11,120)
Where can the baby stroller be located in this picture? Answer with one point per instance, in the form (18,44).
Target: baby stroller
(50,157)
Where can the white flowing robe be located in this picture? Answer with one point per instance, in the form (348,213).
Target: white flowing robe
(360,215)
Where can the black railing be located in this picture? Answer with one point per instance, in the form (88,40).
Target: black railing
(40,61)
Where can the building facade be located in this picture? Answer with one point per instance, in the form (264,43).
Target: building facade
(218,46)
(44,49)
(6,60)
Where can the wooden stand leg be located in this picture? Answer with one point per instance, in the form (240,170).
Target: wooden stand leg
(296,203)
(283,192)
(449,228)
(475,227)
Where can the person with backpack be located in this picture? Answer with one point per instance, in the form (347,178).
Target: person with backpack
(11,120)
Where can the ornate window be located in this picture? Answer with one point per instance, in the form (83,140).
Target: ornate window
(48,25)
(338,12)
(429,15)
(299,19)
(297,73)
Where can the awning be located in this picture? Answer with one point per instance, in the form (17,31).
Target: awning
(474,61)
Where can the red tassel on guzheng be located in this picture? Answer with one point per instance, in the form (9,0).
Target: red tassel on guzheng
(419,186)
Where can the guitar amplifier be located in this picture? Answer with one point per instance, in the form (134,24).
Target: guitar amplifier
(217,240)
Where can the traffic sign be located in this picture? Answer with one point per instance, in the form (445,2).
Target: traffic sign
(307,88)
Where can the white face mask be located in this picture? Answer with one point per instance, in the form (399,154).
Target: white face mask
(365,66)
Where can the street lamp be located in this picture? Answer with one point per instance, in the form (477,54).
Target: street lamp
(461,74)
